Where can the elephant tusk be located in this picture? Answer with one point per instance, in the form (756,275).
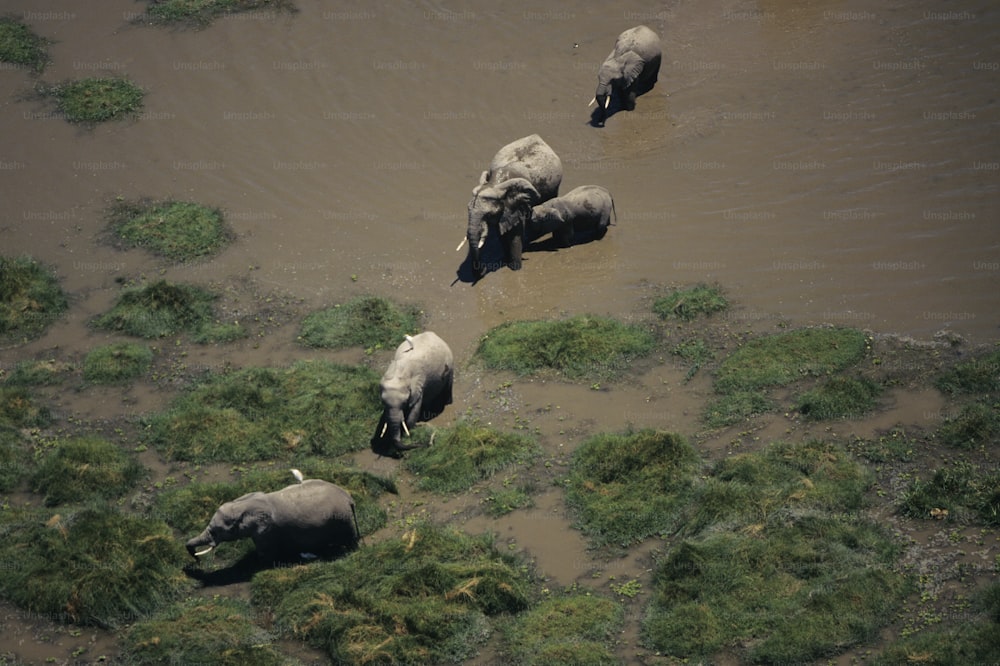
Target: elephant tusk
(481,243)
(460,245)
(607,101)
(591,102)
(384,428)
(204,551)
(405,429)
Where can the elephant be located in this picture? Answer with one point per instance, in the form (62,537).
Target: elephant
(417,386)
(629,70)
(311,516)
(522,174)
(583,210)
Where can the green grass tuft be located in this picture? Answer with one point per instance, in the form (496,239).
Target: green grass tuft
(371,322)
(38,373)
(780,359)
(310,408)
(976,425)
(21,46)
(30,298)
(978,376)
(220,631)
(177,230)
(159,309)
(118,362)
(581,347)
(736,407)
(839,397)
(963,491)
(626,487)
(202,12)
(13,458)
(465,453)
(92,567)
(97,99)
(18,408)
(574,630)
(85,468)
(688,304)
(425,598)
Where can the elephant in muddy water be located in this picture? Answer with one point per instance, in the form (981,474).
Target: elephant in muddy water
(312,516)
(585,210)
(629,70)
(522,174)
(417,386)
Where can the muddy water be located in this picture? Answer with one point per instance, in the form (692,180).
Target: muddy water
(826,162)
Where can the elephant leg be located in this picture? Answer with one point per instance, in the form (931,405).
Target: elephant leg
(514,248)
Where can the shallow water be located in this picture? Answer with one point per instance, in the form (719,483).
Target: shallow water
(825,162)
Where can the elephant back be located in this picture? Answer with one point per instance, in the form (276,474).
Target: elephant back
(641,40)
(532,159)
(325,500)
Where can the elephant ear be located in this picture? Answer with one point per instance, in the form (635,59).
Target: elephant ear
(632,66)
(518,192)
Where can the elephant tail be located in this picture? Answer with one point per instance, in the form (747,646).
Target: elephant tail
(613,211)
(357,528)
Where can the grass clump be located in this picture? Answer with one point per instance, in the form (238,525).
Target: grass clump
(309,408)
(736,407)
(118,362)
(19,409)
(839,397)
(85,468)
(19,45)
(202,631)
(162,308)
(38,373)
(202,12)
(961,492)
(581,347)
(789,590)
(177,230)
(97,99)
(688,304)
(92,567)
(780,359)
(572,630)
(626,487)
(424,598)
(13,458)
(465,453)
(30,298)
(980,375)
(976,425)
(371,322)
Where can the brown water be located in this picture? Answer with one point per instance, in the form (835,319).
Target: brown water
(826,162)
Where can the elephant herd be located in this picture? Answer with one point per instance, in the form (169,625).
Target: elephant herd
(516,200)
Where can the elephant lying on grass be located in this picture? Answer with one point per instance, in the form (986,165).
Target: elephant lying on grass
(630,69)
(417,386)
(312,516)
(585,210)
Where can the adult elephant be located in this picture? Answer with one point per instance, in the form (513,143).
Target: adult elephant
(312,516)
(522,174)
(629,70)
(416,386)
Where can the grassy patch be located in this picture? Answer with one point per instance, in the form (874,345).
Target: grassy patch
(163,308)
(30,298)
(581,347)
(96,99)
(789,590)
(507,499)
(92,567)
(202,631)
(977,376)
(85,468)
(892,446)
(19,409)
(977,424)
(38,373)
(465,453)
(425,598)
(202,12)
(573,630)
(736,407)
(118,362)
(780,359)
(839,397)
(177,230)
(309,408)
(371,322)
(626,487)
(13,458)
(21,46)
(688,304)
(962,492)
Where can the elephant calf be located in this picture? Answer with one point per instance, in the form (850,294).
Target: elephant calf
(584,210)
(416,387)
(312,516)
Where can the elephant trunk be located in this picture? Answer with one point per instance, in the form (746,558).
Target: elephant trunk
(201,544)
(476,235)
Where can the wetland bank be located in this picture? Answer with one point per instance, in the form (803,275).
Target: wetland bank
(786,171)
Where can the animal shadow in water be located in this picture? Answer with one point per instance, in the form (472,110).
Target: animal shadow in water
(549,244)
(244,569)
(616,105)
(491,255)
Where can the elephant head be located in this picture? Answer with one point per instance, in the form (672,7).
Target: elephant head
(617,74)
(398,401)
(247,516)
(504,207)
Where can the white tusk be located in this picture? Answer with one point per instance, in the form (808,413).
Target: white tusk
(481,243)
(591,102)
(206,551)
(384,428)
(405,429)
(461,244)
(607,101)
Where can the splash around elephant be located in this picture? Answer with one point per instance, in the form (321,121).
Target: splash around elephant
(522,174)
(630,69)
(312,516)
(416,386)
(583,211)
